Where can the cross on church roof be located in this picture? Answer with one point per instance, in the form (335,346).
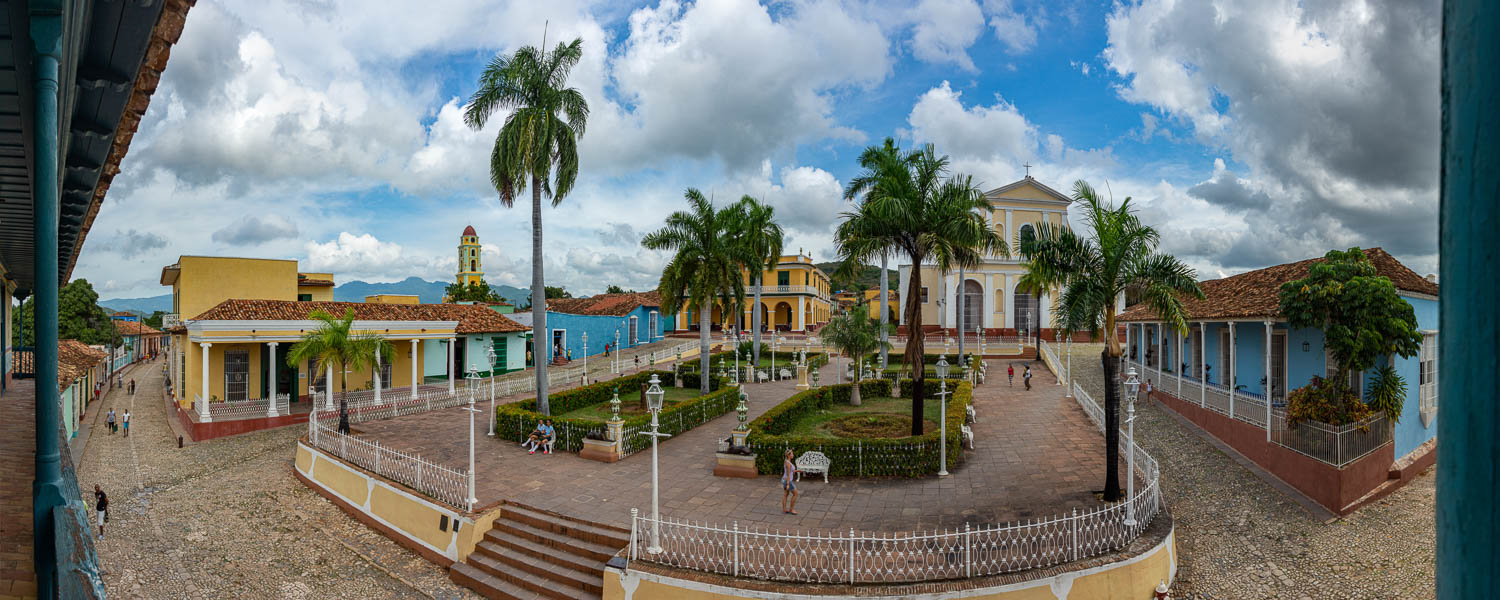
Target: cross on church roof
(1028,169)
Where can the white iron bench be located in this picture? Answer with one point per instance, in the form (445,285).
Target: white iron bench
(786,374)
(812,462)
(761,376)
(968,435)
(973,418)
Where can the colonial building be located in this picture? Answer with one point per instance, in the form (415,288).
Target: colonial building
(988,294)
(795,296)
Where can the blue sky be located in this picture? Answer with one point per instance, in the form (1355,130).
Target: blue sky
(1249,133)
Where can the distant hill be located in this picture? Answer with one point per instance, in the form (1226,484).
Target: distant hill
(867,278)
(352,291)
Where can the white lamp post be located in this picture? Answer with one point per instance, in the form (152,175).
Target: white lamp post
(473,374)
(942,373)
(617,352)
(491,352)
(1132,386)
(654,397)
(585,358)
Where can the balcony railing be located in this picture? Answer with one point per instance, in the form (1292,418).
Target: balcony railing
(171,320)
(786,289)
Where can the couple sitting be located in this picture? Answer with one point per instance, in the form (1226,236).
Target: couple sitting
(541,438)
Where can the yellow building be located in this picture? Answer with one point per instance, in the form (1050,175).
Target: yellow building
(989,292)
(796,296)
(244,315)
(393,299)
(470,267)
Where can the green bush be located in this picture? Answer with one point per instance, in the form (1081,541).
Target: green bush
(1325,401)
(516,420)
(901,457)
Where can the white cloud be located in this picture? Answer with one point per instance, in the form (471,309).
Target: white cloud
(943,30)
(995,131)
(1013,28)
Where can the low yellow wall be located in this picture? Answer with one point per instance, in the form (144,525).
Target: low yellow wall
(1130,579)
(411,520)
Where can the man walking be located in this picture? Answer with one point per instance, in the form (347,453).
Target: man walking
(109,418)
(1010,371)
(1027,376)
(101,507)
(127,412)
(132,387)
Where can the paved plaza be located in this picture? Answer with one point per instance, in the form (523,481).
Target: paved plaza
(1036,454)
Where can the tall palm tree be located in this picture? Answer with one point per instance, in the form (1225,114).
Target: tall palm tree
(335,346)
(1118,256)
(538,144)
(762,237)
(705,269)
(913,207)
(855,334)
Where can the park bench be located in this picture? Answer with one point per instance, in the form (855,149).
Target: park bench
(973,418)
(813,462)
(786,374)
(968,436)
(761,376)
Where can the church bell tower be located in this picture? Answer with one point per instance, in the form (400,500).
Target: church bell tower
(469,268)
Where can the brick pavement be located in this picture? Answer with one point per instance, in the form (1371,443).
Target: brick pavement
(1035,454)
(18,463)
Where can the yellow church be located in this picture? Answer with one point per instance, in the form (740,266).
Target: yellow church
(988,293)
(796,296)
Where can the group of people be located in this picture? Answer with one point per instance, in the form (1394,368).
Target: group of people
(109,417)
(541,438)
(1010,371)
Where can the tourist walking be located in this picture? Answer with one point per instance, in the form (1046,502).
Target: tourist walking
(1010,371)
(788,484)
(126,421)
(101,507)
(109,418)
(132,387)
(1028,377)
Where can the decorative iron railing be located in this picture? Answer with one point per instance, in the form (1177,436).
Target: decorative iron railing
(449,486)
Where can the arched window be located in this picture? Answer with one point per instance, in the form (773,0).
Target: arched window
(1027,232)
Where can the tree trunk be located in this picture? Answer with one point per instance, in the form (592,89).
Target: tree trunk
(755,322)
(540,337)
(915,343)
(1111,430)
(885,314)
(854,399)
(959,319)
(343,402)
(703,362)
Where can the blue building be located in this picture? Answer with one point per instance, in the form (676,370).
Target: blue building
(628,319)
(1239,351)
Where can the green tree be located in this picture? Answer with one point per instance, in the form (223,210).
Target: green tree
(705,267)
(79,317)
(614,289)
(478,291)
(1362,317)
(912,207)
(1118,256)
(538,144)
(553,293)
(856,335)
(762,239)
(154,321)
(335,345)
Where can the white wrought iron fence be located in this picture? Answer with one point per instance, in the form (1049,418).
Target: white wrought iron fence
(449,486)
(245,409)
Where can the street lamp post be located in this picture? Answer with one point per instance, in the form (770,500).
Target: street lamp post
(585,358)
(942,373)
(473,374)
(491,352)
(1132,386)
(654,397)
(617,352)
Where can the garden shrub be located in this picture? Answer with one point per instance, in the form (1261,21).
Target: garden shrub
(1325,401)
(516,420)
(901,457)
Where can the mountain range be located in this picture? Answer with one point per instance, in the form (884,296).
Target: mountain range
(352,291)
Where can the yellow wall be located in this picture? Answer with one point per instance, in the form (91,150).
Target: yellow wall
(319,293)
(1131,579)
(392,299)
(400,367)
(205,281)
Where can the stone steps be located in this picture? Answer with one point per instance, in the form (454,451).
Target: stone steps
(531,553)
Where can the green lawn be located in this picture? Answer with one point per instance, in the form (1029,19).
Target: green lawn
(816,424)
(630,404)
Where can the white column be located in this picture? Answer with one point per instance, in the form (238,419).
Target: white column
(1181,361)
(801,322)
(1009,235)
(1160,354)
(1229,375)
(1203,361)
(450,355)
(1266,389)
(271,405)
(414,367)
(1008,303)
(377,378)
(328,388)
(203,415)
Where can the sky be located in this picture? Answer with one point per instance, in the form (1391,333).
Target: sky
(331,131)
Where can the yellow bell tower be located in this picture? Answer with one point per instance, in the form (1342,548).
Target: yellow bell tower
(469,269)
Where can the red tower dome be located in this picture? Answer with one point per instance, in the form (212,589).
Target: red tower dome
(469,231)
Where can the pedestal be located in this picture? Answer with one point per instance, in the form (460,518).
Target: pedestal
(739,438)
(735,465)
(802,377)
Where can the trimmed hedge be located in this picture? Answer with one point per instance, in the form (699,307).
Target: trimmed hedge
(913,456)
(516,420)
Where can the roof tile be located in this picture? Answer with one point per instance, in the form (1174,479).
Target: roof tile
(472,318)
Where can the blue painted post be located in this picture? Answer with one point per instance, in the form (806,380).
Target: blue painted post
(1468,534)
(47,488)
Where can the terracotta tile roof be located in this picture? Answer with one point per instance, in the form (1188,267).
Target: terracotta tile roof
(615,305)
(471,318)
(74,358)
(1254,294)
(135,328)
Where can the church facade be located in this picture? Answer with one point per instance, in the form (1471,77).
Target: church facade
(987,295)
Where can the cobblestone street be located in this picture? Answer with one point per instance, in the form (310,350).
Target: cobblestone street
(227,518)
(1237,537)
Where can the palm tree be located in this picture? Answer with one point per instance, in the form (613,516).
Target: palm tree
(541,132)
(762,237)
(912,207)
(706,267)
(334,344)
(1118,257)
(854,334)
